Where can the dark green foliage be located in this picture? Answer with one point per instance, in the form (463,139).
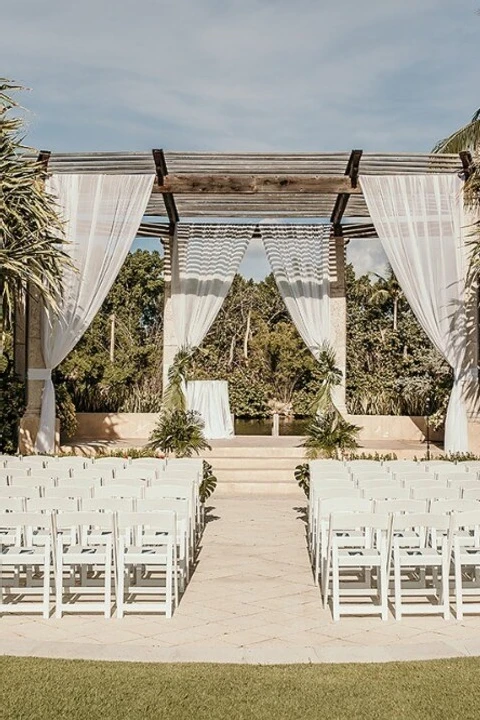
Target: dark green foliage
(133,381)
(209,482)
(65,412)
(12,407)
(379,457)
(179,432)
(302,476)
(329,435)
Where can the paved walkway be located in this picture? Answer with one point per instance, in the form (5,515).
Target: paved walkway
(251,599)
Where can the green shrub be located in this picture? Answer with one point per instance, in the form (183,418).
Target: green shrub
(12,407)
(179,432)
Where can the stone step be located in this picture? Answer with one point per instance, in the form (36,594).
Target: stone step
(254,463)
(246,451)
(253,476)
(262,487)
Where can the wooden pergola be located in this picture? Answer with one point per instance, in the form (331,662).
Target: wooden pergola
(247,188)
(222,186)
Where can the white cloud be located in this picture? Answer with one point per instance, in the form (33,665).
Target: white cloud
(243,74)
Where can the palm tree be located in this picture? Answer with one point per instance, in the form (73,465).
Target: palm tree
(30,230)
(389,290)
(465,138)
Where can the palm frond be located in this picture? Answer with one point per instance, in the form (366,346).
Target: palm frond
(465,138)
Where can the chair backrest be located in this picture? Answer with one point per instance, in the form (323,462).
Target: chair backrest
(15,504)
(386,492)
(171,489)
(466,519)
(377,482)
(52,505)
(12,492)
(180,507)
(83,522)
(317,473)
(426,521)
(401,465)
(115,504)
(77,480)
(453,505)
(27,520)
(333,492)
(400,506)
(359,520)
(162,522)
(319,483)
(121,491)
(434,492)
(326,506)
(136,473)
(108,460)
(68,491)
(414,477)
(126,480)
(440,465)
(32,481)
(426,483)
(471,493)
(460,479)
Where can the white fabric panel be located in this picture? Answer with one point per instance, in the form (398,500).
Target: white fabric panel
(298,256)
(102,214)
(421,223)
(210,399)
(205,259)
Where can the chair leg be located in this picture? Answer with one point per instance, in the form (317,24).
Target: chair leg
(383,589)
(108,582)
(397,583)
(59,582)
(458,587)
(168,581)
(335,586)
(46,583)
(120,576)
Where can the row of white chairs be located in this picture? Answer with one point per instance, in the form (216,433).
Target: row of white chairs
(335,503)
(77,554)
(416,561)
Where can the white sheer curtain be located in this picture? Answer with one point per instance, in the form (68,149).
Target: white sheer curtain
(210,399)
(420,221)
(102,214)
(298,256)
(205,259)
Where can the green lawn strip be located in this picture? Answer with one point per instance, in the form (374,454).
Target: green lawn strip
(33,688)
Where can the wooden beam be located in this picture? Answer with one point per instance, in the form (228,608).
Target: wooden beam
(248,184)
(168,199)
(343,198)
(43,158)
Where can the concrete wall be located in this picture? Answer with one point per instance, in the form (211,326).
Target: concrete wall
(123,426)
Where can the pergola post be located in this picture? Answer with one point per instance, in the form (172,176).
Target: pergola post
(34,359)
(170,344)
(338,315)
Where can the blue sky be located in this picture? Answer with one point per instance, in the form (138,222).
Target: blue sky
(391,75)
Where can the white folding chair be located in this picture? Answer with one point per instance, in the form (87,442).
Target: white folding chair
(178,491)
(115,504)
(21,553)
(83,540)
(367,550)
(471,493)
(182,511)
(414,550)
(155,557)
(325,506)
(465,548)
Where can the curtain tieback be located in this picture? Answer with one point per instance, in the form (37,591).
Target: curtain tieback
(39,373)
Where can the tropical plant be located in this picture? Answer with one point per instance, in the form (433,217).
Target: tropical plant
(179,432)
(302,476)
(12,407)
(30,256)
(387,290)
(465,138)
(209,482)
(174,396)
(330,435)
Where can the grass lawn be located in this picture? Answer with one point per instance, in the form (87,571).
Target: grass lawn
(77,690)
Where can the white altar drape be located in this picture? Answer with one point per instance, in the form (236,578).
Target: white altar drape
(298,256)
(102,214)
(205,259)
(420,221)
(210,399)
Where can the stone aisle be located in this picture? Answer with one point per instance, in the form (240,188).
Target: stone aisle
(251,599)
